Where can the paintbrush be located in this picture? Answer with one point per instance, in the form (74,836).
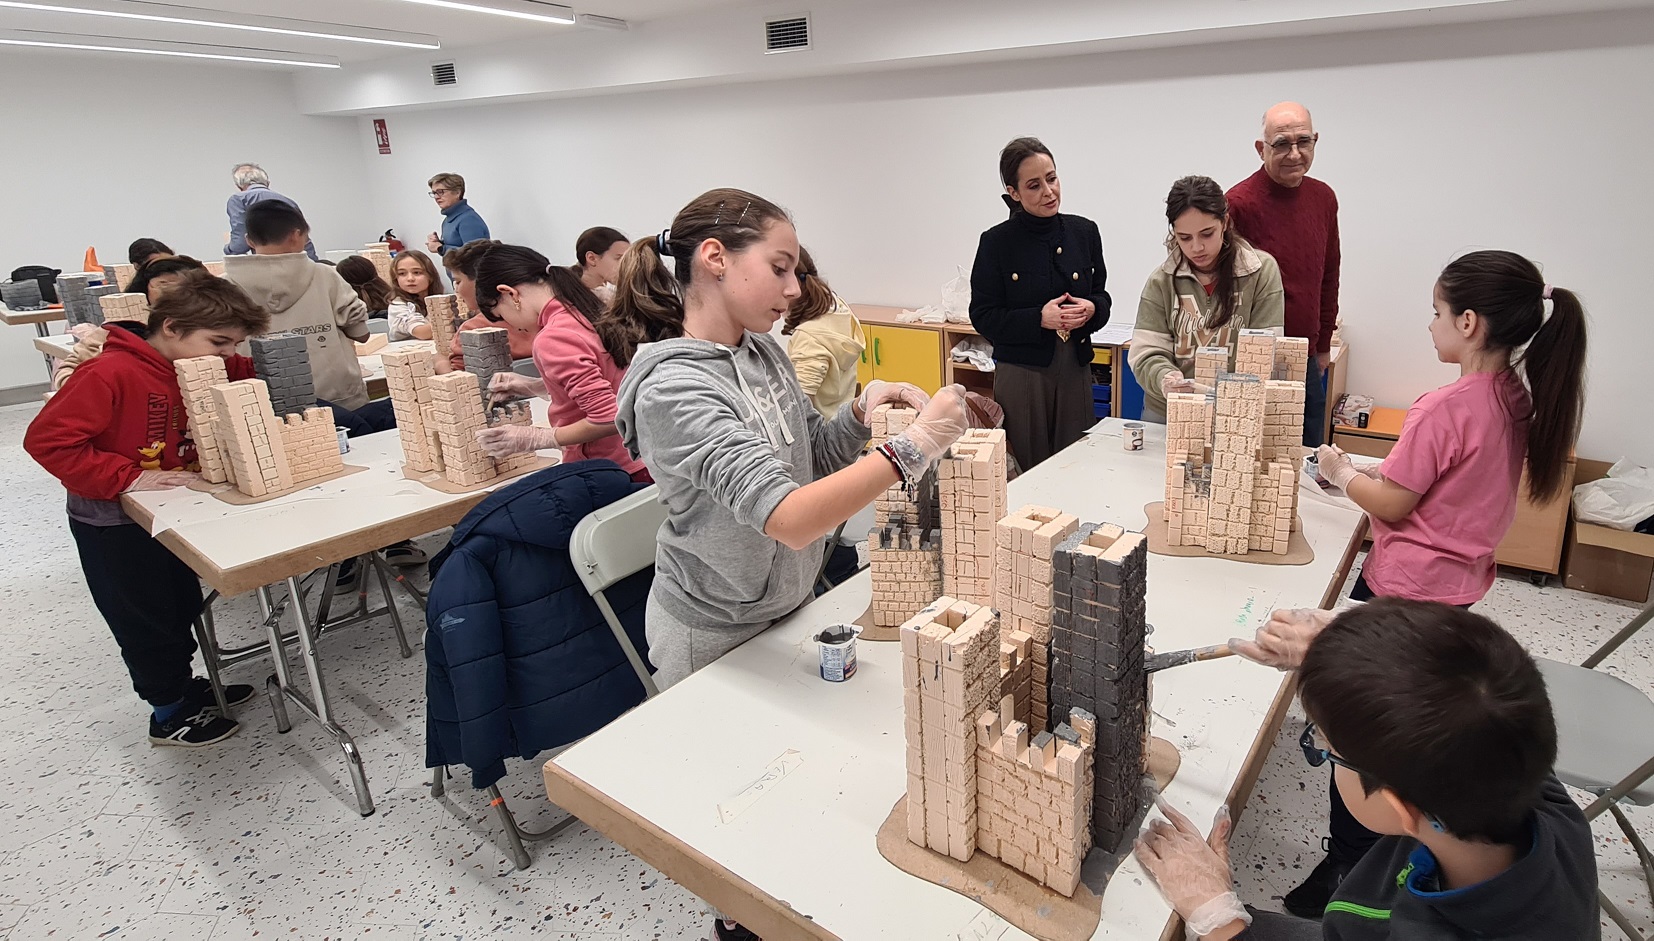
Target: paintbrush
(1153,663)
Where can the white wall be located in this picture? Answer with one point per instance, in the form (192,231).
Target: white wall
(126,148)
(1526,135)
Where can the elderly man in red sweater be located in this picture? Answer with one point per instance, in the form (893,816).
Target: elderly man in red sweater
(1284,212)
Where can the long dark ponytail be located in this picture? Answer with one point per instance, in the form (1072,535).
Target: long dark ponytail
(1508,292)
(1203,194)
(514,265)
(648,304)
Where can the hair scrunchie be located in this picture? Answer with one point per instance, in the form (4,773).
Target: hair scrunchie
(663,243)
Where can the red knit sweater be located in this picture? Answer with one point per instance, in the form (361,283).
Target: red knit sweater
(1299,226)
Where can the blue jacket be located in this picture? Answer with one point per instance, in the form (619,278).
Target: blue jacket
(461,224)
(236,208)
(518,657)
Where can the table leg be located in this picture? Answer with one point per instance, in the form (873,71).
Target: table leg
(42,330)
(316,705)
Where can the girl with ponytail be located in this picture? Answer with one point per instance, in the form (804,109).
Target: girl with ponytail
(1446,495)
(577,374)
(753,477)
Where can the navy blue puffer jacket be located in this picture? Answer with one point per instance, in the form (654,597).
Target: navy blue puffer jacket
(518,657)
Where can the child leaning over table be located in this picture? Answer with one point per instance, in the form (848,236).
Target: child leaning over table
(119,427)
(1442,740)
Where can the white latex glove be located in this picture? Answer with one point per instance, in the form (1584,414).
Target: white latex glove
(162,480)
(901,394)
(1175,381)
(1192,872)
(940,423)
(1284,638)
(1336,466)
(506,440)
(507,386)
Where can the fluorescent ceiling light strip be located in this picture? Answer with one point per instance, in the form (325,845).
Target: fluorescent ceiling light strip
(148,47)
(519,9)
(191,16)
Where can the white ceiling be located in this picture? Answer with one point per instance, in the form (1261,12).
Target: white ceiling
(454,28)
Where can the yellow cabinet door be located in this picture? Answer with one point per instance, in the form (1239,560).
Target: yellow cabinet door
(864,368)
(907,354)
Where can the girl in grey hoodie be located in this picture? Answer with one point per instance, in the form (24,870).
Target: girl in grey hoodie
(752,475)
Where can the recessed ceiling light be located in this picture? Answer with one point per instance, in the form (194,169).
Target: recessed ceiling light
(192,16)
(153,47)
(520,9)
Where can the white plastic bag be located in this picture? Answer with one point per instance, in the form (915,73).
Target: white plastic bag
(1621,500)
(956,298)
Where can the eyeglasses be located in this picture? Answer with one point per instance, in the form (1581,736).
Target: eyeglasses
(1304,144)
(1318,756)
(438,192)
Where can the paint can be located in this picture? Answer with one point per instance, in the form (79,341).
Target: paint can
(1131,436)
(344,438)
(837,645)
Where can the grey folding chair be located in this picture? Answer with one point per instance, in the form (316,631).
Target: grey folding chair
(379,325)
(1613,760)
(525,367)
(613,543)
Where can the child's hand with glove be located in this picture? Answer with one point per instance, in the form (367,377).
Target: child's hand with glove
(879,392)
(508,386)
(940,423)
(1193,873)
(506,440)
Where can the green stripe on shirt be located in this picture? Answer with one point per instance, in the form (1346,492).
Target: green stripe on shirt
(1378,914)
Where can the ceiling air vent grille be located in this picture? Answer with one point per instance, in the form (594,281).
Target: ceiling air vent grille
(787,34)
(442,73)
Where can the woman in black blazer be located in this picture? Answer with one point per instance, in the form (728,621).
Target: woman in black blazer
(1037,295)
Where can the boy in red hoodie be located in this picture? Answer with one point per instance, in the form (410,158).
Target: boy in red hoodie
(120,426)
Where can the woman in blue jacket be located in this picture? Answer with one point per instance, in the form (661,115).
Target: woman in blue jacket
(460,223)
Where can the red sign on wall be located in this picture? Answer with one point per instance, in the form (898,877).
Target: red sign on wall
(383,134)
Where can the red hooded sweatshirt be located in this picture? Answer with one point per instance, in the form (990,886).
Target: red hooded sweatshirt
(119,414)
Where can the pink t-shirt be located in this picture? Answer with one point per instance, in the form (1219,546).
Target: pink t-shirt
(581,378)
(1462,448)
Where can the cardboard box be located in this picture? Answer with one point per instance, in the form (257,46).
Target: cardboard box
(1605,561)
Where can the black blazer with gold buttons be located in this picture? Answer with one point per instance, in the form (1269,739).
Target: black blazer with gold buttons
(1023,263)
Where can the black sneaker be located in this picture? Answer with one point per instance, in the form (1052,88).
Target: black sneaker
(405,554)
(349,575)
(1310,899)
(199,693)
(721,931)
(191,729)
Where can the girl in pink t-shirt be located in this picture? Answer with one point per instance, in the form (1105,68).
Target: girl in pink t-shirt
(578,375)
(1442,501)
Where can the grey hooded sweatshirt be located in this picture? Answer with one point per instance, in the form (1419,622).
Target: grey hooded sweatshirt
(727,433)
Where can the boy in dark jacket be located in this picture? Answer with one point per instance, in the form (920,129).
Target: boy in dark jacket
(120,426)
(1441,736)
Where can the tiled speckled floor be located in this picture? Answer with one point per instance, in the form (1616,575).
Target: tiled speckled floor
(106,837)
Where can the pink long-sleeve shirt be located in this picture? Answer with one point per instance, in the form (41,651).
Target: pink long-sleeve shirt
(581,379)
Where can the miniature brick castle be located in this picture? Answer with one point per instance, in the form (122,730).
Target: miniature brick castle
(80,298)
(439,416)
(485,351)
(906,563)
(124,307)
(282,360)
(444,313)
(239,439)
(381,258)
(971,482)
(119,275)
(904,550)
(977,779)
(1232,453)
(1024,545)
(1097,648)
